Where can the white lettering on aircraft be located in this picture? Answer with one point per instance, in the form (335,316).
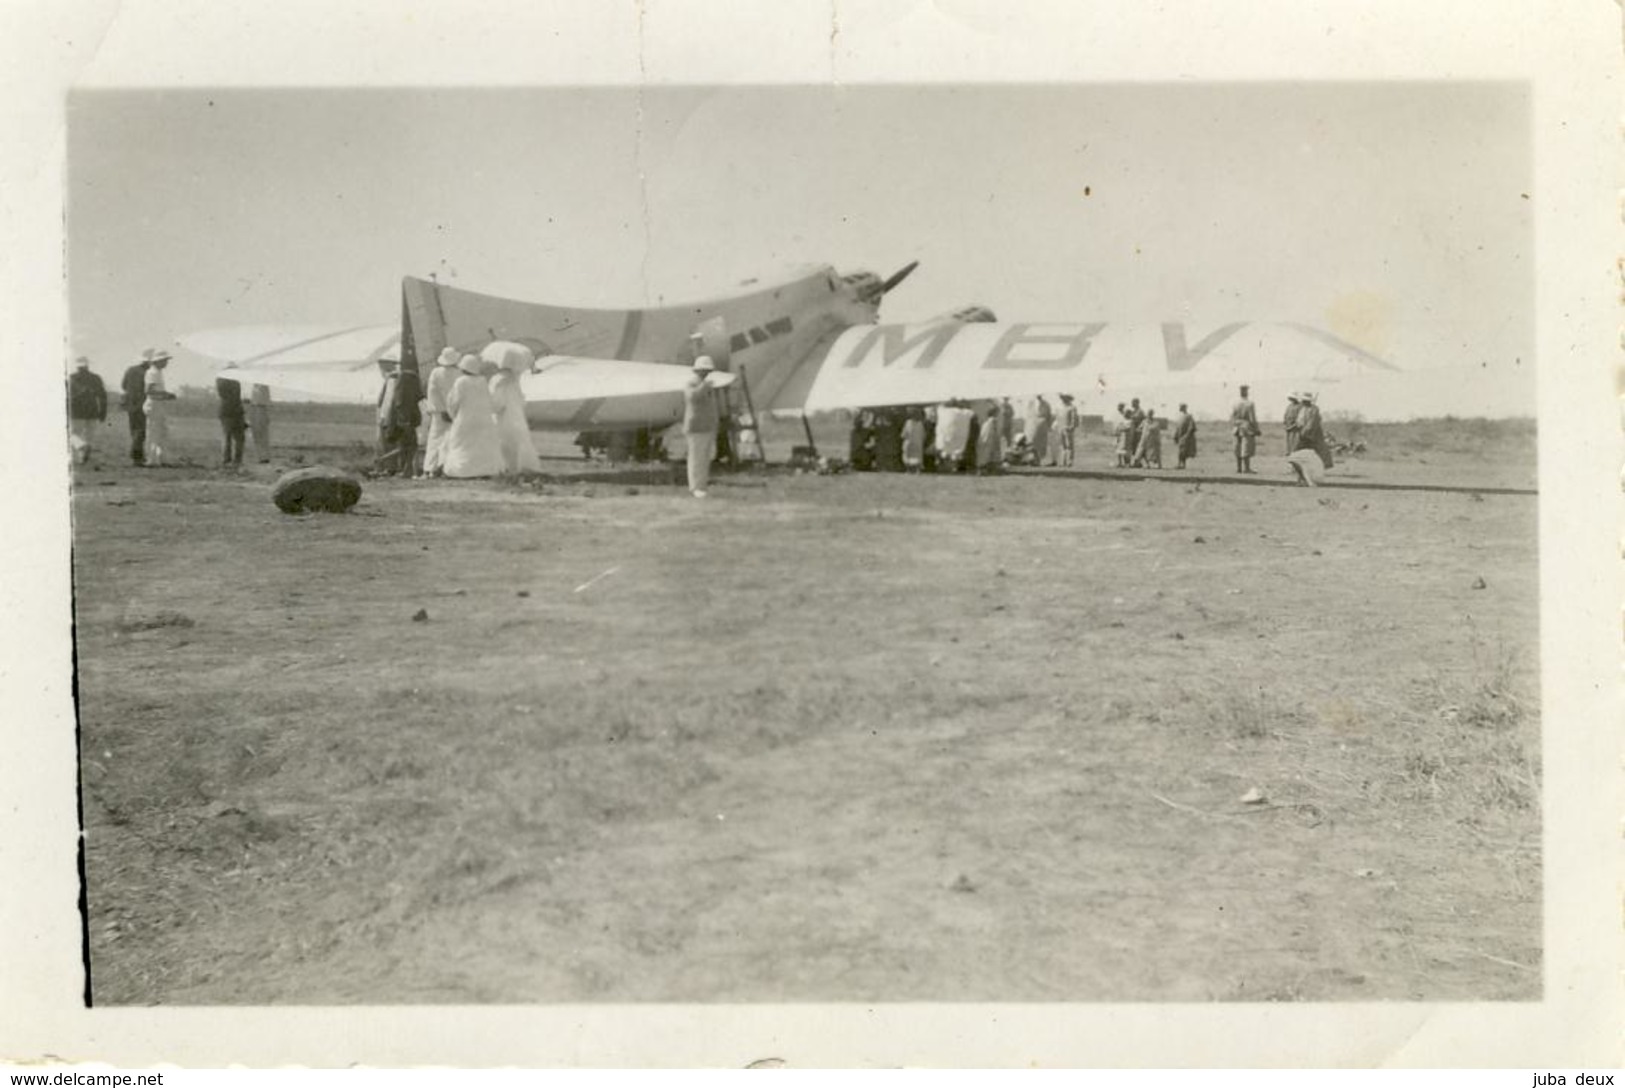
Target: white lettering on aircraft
(1062,349)
(896,344)
(1043,346)
(1181,357)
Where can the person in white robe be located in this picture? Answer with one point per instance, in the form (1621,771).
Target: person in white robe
(953,432)
(472,446)
(259,420)
(156,407)
(435,392)
(990,444)
(513,432)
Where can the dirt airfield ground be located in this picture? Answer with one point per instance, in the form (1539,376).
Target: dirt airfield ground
(849,738)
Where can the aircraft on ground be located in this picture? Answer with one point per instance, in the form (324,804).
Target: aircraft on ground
(811,342)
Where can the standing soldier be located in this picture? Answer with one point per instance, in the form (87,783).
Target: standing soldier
(1244,423)
(1069,430)
(87,408)
(135,396)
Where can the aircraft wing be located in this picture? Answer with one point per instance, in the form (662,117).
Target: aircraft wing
(880,365)
(324,382)
(568,378)
(326,362)
(295,345)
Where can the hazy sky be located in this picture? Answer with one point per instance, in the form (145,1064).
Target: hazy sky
(1395,214)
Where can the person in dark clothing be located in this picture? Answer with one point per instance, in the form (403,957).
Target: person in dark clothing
(87,408)
(135,397)
(408,418)
(1136,427)
(1289,422)
(726,454)
(398,419)
(888,440)
(1185,435)
(233,420)
(861,446)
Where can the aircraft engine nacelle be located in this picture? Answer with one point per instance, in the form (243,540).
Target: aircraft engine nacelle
(865,287)
(965,315)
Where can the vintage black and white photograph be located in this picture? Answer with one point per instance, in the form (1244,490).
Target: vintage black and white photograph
(759,544)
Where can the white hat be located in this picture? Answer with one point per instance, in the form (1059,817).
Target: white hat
(448,357)
(704,363)
(83,360)
(470,364)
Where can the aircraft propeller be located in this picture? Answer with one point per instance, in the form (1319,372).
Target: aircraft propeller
(898,276)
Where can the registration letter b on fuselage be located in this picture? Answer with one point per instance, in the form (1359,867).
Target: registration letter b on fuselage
(1042,347)
(898,343)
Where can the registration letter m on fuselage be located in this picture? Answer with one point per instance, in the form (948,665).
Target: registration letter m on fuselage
(896,345)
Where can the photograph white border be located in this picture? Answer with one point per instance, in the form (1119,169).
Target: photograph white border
(1569,53)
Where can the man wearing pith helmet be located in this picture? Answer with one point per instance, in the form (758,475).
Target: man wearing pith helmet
(700,425)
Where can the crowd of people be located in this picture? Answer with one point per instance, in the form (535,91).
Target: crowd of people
(475,410)
(958,436)
(1138,436)
(146,402)
(962,437)
(1308,449)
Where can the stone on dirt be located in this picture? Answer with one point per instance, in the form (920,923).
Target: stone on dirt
(316,489)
